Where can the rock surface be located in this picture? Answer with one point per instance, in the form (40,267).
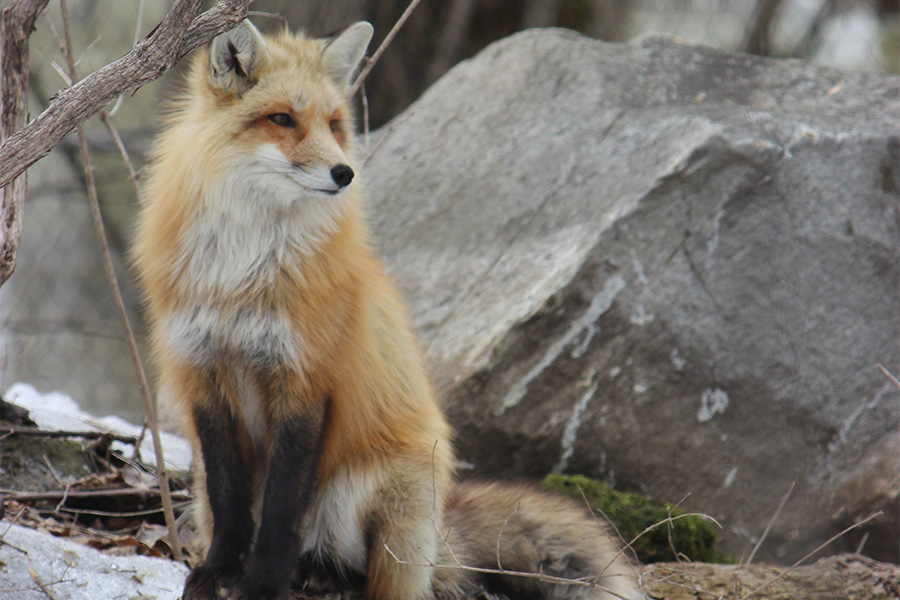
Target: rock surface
(32,562)
(663,265)
(35,564)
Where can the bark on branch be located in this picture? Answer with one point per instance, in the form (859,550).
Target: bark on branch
(180,32)
(17,24)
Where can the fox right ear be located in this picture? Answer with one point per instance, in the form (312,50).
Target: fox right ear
(235,57)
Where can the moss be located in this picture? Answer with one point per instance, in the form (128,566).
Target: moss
(692,537)
(23,468)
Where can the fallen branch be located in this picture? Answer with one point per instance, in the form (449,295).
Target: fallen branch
(20,496)
(842,576)
(61,433)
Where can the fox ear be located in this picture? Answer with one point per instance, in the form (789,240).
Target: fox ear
(235,57)
(344,51)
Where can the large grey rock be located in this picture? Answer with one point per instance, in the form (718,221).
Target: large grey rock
(664,265)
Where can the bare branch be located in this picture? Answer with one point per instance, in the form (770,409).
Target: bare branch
(18,21)
(144,387)
(387,41)
(765,534)
(180,32)
(802,560)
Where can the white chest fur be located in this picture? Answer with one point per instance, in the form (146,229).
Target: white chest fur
(250,224)
(244,232)
(205,335)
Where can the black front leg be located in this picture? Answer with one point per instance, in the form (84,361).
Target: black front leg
(228,488)
(292,471)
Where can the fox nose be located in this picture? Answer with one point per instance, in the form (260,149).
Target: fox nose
(342,175)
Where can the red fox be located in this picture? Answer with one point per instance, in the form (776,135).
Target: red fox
(320,449)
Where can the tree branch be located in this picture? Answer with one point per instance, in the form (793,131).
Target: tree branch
(180,32)
(18,21)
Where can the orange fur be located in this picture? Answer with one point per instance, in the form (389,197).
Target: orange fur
(261,288)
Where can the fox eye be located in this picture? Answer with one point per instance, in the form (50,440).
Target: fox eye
(335,124)
(283,120)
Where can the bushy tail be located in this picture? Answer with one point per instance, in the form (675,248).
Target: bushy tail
(497,529)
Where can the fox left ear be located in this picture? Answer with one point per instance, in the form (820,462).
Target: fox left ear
(344,51)
(235,57)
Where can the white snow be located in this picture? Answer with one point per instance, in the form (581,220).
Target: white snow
(712,402)
(29,559)
(59,412)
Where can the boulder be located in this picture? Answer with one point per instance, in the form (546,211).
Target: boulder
(663,265)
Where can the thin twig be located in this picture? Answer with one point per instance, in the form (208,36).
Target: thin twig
(52,470)
(771,522)
(387,40)
(500,535)
(523,574)
(889,376)
(365,105)
(862,544)
(120,307)
(11,523)
(106,119)
(650,528)
(37,580)
(820,547)
(62,501)
(136,454)
(139,25)
(107,513)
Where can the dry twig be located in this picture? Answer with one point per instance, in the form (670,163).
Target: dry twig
(811,554)
(94,201)
(387,41)
(771,522)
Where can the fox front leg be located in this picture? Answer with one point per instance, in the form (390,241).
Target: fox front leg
(288,491)
(229,496)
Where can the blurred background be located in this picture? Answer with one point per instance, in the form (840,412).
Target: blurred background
(58,329)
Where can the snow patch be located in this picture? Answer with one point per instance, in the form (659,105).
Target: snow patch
(77,572)
(677,362)
(731,476)
(713,402)
(59,412)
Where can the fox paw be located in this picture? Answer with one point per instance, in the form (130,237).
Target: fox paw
(259,592)
(206,583)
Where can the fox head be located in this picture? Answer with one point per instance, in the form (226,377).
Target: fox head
(274,111)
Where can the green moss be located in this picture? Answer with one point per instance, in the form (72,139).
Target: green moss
(23,466)
(693,537)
